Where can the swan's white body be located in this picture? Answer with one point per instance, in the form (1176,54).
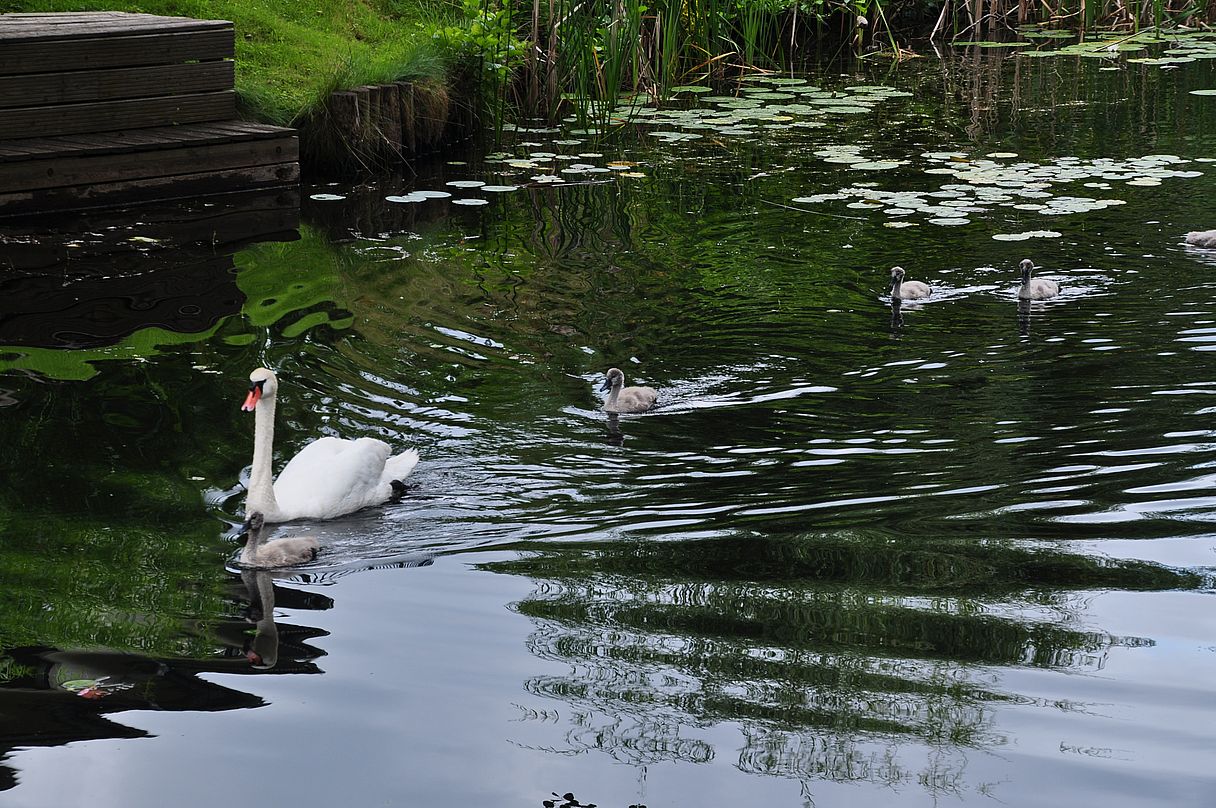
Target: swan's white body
(907,290)
(1035,288)
(1202,238)
(626,399)
(328,478)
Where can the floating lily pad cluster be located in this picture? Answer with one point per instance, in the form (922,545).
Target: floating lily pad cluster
(980,185)
(531,167)
(537,165)
(765,103)
(1182,47)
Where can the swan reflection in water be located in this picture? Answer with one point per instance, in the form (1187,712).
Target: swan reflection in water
(897,313)
(262,650)
(1023,317)
(615,436)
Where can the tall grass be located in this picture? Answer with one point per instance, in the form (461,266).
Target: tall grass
(597,54)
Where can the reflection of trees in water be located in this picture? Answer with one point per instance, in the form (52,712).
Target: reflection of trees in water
(831,654)
(1106,111)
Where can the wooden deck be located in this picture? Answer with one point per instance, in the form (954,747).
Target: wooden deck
(100,108)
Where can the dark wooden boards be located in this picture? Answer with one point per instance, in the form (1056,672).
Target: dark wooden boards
(162,137)
(142,189)
(66,87)
(166,47)
(100,108)
(103,168)
(105,116)
(54,25)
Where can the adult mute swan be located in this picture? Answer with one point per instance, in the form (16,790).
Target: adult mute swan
(626,399)
(328,478)
(1035,288)
(907,290)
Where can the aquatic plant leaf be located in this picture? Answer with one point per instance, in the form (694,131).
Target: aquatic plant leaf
(984,44)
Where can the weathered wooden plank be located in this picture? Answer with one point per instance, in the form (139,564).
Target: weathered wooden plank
(49,56)
(39,89)
(152,138)
(103,116)
(177,187)
(16,30)
(66,171)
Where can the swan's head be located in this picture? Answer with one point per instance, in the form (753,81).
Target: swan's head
(897,274)
(262,384)
(614,378)
(1026,266)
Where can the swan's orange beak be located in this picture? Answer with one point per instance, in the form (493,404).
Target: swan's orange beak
(251,400)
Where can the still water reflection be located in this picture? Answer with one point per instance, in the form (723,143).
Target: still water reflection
(958,549)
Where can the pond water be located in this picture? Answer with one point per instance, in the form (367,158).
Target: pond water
(959,552)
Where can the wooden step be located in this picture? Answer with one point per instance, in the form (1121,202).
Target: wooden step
(44,89)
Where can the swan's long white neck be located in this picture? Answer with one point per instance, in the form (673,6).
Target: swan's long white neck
(261,476)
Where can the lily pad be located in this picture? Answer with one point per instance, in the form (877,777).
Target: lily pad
(958,44)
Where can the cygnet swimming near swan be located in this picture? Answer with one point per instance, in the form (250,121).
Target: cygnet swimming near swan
(626,399)
(1202,238)
(907,290)
(1035,288)
(284,552)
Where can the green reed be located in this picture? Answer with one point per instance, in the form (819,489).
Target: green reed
(593,55)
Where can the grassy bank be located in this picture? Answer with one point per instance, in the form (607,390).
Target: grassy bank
(290,54)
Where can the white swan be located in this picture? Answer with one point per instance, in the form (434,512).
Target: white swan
(907,290)
(1202,238)
(1036,288)
(283,552)
(626,399)
(329,477)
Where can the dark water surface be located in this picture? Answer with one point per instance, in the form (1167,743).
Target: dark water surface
(955,554)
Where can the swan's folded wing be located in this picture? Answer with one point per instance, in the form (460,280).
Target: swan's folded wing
(331,476)
(399,467)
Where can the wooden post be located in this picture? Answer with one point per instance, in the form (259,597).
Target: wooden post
(390,107)
(375,142)
(409,118)
(361,135)
(344,112)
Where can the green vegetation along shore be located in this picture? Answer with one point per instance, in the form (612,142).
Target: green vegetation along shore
(534,60)
(290,54)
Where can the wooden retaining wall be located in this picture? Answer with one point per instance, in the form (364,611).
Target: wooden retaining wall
(379,125)
(100,108)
